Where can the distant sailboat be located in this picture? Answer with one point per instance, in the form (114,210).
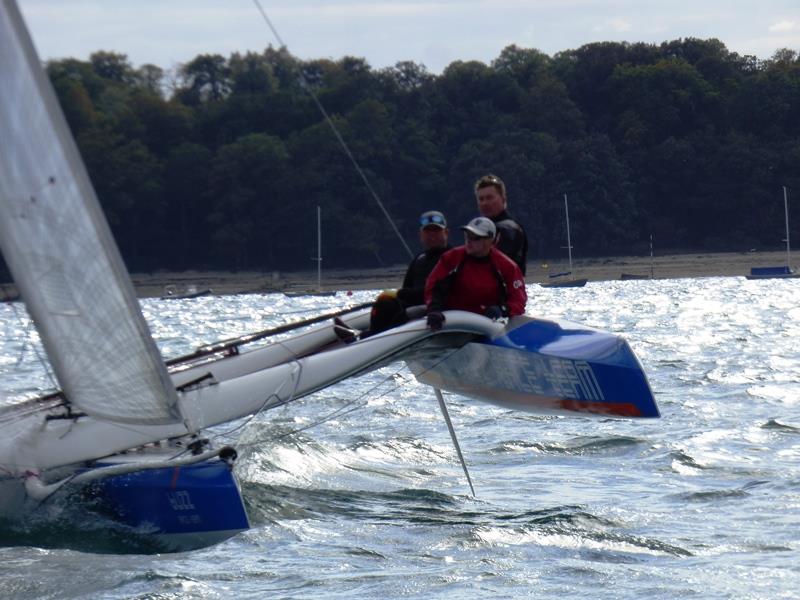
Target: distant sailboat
(318,291)
(784,272)
(171,292)
(566,282)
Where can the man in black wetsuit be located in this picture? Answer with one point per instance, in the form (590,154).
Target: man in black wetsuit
(433,235)
(389,309)
(512,241)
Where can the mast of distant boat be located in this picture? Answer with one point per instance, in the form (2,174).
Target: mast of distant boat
(786,214)
(319,250)
(569,242)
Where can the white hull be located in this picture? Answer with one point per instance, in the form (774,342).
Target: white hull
(228,388)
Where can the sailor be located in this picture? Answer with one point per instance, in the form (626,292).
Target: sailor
(490,191)
(389,309)
(475,277)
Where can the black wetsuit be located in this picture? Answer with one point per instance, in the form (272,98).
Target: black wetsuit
(388,312)
(511,239)
(412,293)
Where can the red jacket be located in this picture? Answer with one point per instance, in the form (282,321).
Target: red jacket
(473,284)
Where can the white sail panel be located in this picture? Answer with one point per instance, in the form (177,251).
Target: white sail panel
(62,255)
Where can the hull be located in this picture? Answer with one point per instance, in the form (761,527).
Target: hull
(567,283)
(187,295)
(772,273)
(178,508)
(303,293)
(183,508)
(547,367)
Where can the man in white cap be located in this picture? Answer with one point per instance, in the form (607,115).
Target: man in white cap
(475,277)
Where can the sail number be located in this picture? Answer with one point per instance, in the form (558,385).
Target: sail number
(524,372)
(180,500)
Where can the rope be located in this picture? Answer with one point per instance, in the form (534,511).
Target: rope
(349,406)
(335,130)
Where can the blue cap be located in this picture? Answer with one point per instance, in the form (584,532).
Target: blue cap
(432,217)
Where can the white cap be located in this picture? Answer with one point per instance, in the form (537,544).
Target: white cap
(482,227)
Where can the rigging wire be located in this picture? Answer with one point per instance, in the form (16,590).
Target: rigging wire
(335,130)
(27,342)
(348,407)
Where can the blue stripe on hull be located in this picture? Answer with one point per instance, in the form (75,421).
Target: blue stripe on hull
(186,507)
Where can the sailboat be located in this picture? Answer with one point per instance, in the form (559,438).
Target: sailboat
(635,276)
(318,291)
(136,433)
(784,272)
(571,282)
(116,394)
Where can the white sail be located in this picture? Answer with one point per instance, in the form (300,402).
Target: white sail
(62,255)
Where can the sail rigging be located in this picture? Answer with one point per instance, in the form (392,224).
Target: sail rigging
(59,248)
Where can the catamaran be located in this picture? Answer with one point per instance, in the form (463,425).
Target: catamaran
(136,432)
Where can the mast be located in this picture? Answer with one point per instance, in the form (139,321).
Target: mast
(569,243)
(786,214)
(319,250)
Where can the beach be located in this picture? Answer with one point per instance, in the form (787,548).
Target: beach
(673,266)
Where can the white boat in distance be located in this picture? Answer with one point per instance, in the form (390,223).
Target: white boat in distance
(638,276)
(318,291)
(571,282)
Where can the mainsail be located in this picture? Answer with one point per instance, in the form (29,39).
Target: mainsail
(62,255)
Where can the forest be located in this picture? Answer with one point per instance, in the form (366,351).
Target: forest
(221,163)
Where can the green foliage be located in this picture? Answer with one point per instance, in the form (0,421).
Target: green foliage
(223,162)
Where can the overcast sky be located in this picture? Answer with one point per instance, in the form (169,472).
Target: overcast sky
(167,32)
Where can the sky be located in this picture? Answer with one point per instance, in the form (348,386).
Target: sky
(169,32)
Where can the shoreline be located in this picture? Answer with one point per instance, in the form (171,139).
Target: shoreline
(672,266)
(160,284)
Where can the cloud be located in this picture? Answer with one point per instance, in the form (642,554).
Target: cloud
(617,24)
(782,26)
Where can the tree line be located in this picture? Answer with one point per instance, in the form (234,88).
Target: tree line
(221,163)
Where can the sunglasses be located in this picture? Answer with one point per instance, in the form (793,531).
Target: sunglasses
(474,238)
(426,220)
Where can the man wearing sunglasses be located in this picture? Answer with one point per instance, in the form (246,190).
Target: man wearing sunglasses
(475,277)
(389,309)
(490,191)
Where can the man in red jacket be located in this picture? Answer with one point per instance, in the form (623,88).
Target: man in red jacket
(475,277)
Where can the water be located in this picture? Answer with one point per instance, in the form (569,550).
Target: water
(372,503)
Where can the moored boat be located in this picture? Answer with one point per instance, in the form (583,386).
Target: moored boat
(785,271)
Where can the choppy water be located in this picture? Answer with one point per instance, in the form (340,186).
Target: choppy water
(702,503)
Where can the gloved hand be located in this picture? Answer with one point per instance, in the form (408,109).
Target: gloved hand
(494,312)
(435,320)
(386,295)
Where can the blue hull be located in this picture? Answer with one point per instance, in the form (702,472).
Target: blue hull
(182,507)
(547,367)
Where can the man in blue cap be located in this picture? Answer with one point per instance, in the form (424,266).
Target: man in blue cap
(389,309)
